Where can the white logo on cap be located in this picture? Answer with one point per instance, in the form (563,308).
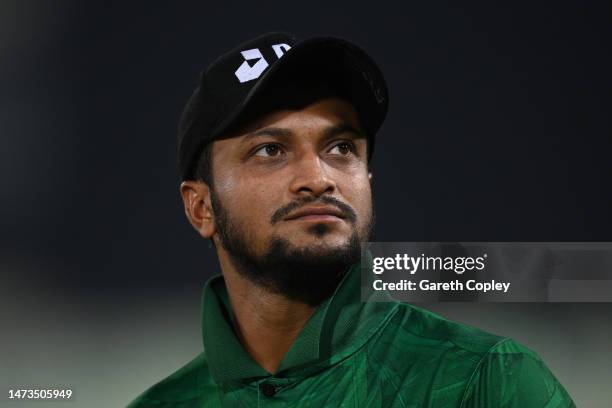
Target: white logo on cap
(246,72)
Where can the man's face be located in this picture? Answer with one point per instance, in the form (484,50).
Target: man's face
(292,191)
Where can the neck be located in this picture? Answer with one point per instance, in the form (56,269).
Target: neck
(267,324)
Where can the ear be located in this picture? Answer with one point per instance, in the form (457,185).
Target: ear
(198,208)
(370,177)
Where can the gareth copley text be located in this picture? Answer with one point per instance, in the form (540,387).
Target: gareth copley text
(426,285)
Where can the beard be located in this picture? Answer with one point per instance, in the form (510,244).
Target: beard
(307,274)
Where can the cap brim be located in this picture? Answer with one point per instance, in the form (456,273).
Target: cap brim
(337,60)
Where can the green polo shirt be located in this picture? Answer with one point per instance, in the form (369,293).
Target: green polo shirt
(355,354)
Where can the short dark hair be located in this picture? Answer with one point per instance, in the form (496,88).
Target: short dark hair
(203,171)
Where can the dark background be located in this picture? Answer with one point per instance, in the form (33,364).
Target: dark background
(498,130)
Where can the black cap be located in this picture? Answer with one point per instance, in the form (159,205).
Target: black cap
(229,85)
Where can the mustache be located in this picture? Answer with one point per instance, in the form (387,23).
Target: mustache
(347,210)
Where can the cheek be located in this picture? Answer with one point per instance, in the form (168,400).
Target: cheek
(359,195)
(248,201)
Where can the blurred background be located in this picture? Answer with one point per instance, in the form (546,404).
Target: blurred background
(499,130)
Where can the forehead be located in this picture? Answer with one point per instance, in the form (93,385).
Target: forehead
(314,117)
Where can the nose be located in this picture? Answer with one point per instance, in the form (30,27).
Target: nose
(311,177)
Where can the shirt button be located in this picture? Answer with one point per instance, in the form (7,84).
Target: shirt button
(267,389)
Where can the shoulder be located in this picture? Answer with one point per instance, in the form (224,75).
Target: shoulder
(464,363)
(437,356)
(182,388)
(414,323)
(511,375)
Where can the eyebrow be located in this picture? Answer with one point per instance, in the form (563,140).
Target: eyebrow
(328,133)
(340,129)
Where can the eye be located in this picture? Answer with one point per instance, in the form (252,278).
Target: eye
(343,148)
(268,150)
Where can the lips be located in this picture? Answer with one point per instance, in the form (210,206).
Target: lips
(315,211)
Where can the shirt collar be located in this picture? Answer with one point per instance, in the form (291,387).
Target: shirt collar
(338,327)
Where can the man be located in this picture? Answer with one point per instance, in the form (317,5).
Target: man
(274,147)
